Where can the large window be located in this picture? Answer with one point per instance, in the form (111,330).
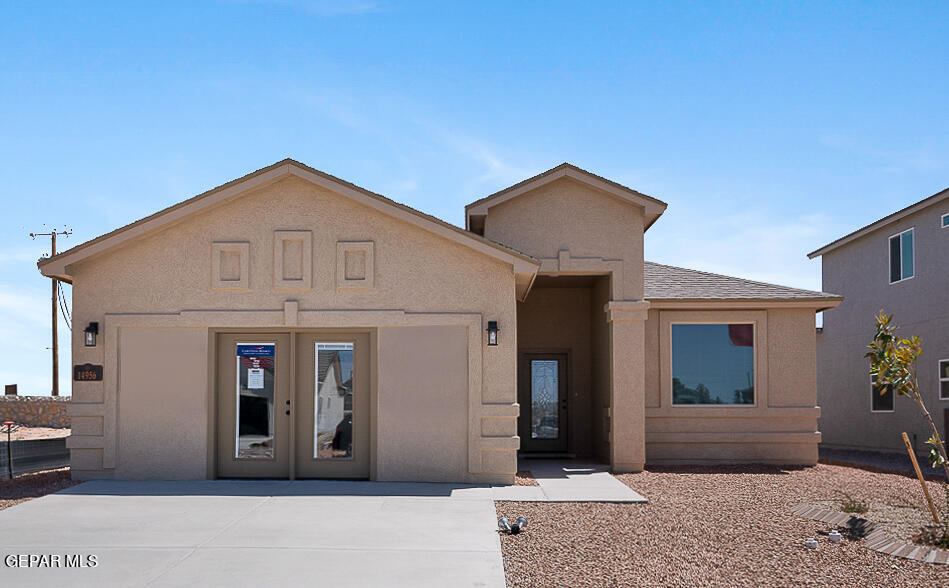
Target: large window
(881,398)
(902,256)
(944,379)
(713,364)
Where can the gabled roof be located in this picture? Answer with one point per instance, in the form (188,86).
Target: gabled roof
(666,282)
(56,266)
(653,207)
(887,220)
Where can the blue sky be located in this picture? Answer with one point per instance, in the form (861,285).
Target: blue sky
(770,128)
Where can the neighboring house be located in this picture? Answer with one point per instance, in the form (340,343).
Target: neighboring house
(540,328)
(900,264)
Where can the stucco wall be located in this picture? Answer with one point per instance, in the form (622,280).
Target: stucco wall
(860,272)
(166,277)
(568,215)
(600,364)
(423,406)
(782,425)
(35,411)
(163,408)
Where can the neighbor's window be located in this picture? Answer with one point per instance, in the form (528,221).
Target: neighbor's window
(881,399)
(945,220)
(713,363)
(901,256)
(944,379)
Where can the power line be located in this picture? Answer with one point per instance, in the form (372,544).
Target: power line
(62,306)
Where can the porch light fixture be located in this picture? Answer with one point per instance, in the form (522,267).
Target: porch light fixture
(492,333)
(90,333)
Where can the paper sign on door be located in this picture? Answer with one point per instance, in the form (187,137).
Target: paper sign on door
(255,378)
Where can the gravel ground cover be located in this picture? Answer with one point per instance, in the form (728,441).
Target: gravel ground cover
(21,433)
(29,486)
(711,526)
(525,478)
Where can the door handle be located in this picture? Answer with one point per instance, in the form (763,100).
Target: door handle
(288,412)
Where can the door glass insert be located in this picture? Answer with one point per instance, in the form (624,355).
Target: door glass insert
(333,401)
(545,391)
(255,400)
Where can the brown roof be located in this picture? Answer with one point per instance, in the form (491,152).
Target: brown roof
(666,282)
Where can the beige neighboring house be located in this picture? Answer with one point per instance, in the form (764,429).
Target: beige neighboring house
(230,326)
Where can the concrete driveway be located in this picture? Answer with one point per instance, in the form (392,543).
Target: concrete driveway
(254,533)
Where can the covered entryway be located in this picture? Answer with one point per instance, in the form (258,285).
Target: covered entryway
(564,368)
(293,405)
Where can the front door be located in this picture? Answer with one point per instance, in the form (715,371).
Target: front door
(317,422)
(332,407)
(542,394)
(253,411)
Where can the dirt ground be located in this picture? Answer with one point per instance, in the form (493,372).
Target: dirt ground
(715,526)
(29,486)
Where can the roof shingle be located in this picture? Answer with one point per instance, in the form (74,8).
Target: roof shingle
(666,282)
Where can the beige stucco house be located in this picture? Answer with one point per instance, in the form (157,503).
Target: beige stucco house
(231,327)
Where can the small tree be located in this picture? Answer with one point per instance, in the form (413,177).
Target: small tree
(893,364)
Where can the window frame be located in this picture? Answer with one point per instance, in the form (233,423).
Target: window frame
(889,252)
(940,379)
(872,392)
(942,221)
(754,361)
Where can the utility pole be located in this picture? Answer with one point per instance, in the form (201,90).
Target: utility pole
(52,235)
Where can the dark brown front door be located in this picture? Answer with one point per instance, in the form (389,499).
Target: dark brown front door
(542,394)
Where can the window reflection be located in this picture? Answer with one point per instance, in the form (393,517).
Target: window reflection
(333,401)
(713,364)
(255,400)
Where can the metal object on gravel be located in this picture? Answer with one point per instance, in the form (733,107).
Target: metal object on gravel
(811,543)
(835,536)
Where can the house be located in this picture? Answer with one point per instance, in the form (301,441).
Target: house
(899,263)
(539,328)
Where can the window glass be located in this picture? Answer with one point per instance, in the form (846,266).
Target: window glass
(255,400)
(901,256)
(895,269)
(944,379)
(906,259)
(945,220)
(545,396)
(333,406)
(881,398)
(713,364)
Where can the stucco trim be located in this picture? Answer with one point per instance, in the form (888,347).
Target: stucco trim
(57,266)
(230,320)
(653,207)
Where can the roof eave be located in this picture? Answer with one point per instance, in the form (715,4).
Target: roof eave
(57,266)
(882,223)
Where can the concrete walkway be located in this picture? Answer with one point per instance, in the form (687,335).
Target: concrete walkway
(257,533)
(568,481)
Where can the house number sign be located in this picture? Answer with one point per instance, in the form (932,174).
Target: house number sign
(87,373)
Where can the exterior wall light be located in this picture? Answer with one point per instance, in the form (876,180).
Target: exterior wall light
(492,333)
(90,333)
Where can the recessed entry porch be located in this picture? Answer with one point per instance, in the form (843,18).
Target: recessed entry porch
(564,368)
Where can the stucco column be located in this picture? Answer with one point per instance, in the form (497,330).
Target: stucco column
(627,385)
